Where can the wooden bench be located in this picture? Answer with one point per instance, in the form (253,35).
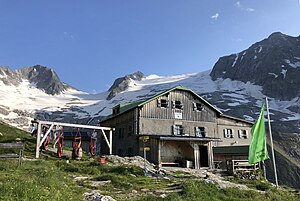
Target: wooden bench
(14,146)
(169,164)
(240,165)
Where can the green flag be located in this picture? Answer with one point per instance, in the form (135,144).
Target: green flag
(258,146)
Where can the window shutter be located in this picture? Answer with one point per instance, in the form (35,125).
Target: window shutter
(225,133)
(239,134)
(174,130)
(205,131)
(173,104)
(194,106)
(158,103)
(232,133)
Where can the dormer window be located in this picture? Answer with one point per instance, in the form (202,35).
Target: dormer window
(163,103)
(177,104)
(116,110)
(197,107)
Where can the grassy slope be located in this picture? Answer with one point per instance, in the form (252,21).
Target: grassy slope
(53,179)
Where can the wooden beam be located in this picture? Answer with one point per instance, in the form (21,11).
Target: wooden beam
(110,142)
(40,123)
(11,146)
(46,134)
(210,156)
(159,154)
(107,142)
(71,125)
(38,139)
(197,156)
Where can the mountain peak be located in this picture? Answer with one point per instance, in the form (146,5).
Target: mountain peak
(42,77)
(273,63)
(277,35)
(122,83)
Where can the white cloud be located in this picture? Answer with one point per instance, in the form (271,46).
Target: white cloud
(243,8)
(238,40)
(215,17)
(68,35)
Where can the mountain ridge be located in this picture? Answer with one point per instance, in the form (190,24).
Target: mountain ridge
(273,63)
(42,77)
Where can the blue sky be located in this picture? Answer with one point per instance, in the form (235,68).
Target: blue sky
(90,43)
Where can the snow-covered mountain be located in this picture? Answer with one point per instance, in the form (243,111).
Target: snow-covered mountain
(236,85)
(233,97)
(273,63)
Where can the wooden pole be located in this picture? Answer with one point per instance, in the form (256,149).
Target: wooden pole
(110,141)
(264,169)
(272,148)
(145,168)
(38,139)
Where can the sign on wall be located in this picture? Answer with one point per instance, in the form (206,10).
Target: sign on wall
(178,115)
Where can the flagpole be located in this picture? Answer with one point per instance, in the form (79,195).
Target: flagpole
(271,139)
(264,169)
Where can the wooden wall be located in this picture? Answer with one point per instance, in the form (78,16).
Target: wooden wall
(151,110)
(125,134)
(149,126)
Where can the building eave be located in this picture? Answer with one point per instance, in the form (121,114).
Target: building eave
(184,138)
(236,118)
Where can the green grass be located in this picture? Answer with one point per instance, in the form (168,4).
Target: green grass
(50,178)
(36,180)
(9,134)
(199,190)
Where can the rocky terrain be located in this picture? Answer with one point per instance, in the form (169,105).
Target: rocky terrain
(41,77)
(273,63)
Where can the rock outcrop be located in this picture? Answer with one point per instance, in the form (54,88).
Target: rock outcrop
(273,63)
(122,83)
(41,77)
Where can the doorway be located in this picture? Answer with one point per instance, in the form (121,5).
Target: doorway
(203,156)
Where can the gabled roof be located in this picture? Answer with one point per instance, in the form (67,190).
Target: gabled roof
(128,106)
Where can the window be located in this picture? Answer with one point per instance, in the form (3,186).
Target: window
(163,103)
(243,134)
(116,110)
(200,132)
(177,129)
(228,133)
(177,104)
(197,106)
